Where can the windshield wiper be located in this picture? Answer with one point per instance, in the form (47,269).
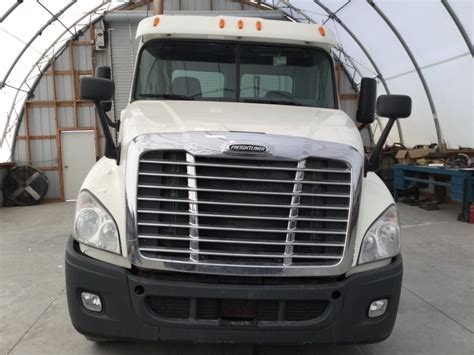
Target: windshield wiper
(166,96)
(274,102)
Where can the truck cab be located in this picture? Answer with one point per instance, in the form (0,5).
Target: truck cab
(237,204)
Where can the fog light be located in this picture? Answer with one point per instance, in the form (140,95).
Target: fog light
(377,308)
(91,302)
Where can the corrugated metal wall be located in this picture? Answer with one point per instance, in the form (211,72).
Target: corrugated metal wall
(124,48)
(55,107)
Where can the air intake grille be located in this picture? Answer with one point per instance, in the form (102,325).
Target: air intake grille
(235,211)
(228,309)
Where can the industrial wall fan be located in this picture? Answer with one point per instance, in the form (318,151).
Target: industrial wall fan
(24,186)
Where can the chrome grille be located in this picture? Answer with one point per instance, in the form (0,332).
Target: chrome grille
(242,211)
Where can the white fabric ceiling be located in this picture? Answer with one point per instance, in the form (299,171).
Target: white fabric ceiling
(425,25)
(16,31)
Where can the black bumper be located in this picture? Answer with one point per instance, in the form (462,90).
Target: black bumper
(127,315)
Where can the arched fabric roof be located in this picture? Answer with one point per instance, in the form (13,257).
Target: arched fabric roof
(422,48)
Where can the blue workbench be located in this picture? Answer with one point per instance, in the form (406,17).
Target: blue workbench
(459,182)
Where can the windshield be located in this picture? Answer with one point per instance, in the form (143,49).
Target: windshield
(223,71)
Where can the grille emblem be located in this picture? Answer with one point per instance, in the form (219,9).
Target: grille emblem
(247,148)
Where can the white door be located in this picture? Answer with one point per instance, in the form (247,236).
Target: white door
(79,155)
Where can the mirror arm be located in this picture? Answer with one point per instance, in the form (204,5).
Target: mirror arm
(111,150)
(111,123)
(374,161)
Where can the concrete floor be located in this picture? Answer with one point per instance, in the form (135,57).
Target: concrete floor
(435,317)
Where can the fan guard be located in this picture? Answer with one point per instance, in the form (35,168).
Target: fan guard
(24,186)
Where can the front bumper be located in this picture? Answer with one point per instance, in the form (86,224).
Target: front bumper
(127,313)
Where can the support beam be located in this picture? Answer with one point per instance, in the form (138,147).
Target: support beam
(58,133)
(113,17)
(418,70)
(20,138)
(459,25)
(158,6)
(27,133)
(73,82)
(333,16)
(59,103)
(10,10)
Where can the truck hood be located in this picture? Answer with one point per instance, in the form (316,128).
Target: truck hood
(142,117)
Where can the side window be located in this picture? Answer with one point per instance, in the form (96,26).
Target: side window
(212,83)
(257,85)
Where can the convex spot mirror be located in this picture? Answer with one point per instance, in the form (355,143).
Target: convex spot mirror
(394,106)
(104,72)
(367,96)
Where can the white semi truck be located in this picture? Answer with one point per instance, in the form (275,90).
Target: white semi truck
(237,204)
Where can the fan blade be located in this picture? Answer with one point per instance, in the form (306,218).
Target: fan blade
(33,193)
(17,192)
(32,178)
(16,177)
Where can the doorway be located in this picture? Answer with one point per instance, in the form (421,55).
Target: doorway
(78,156)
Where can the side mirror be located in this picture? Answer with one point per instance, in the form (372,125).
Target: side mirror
(367,95)
(104,73)
(394,106)
(96,89)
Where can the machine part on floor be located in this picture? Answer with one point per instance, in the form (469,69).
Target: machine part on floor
(430,205)
(461,161)
(24,186)
(410,196)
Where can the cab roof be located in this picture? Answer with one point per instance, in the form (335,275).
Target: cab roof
(236,29)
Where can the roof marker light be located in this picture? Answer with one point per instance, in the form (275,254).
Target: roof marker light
(156,21)
(322,31)
(258,25)
(221,23)
(240,24)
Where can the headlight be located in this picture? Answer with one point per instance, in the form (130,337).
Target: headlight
(382,240)
(94,226)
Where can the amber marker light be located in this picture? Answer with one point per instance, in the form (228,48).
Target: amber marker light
(221,23)
(322,31)
(240,24)
(258,25)
(156,21)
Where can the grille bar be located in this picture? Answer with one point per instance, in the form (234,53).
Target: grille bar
(240,241)
(236,166)
(247,192)
(193,209)
(243,255)
(226,178)
(295,201)
(259,205)
(260,230)
(242,216)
